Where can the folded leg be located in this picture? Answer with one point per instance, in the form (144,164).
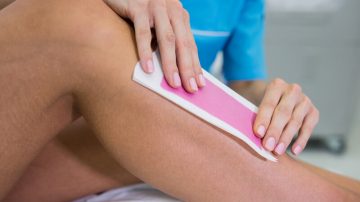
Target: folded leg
(153,139)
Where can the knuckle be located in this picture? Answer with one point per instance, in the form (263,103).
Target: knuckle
(168,70)
(158,4)
(187,72)
(177,5)
(187,43)
(296,88)
(186,15)
(278,82)
(268,105)
(137,9)
(275,131)
(142,4)
(306,100)
(283,110)
(316,115)
(316,112)
(169,37)
(296,122)
(143,33)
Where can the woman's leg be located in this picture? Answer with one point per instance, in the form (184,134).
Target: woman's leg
(73,165)
(149,136)
(76,159)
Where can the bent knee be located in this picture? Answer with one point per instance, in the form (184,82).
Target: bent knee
(92,44)
(73,28)
(91,38)
(90,24)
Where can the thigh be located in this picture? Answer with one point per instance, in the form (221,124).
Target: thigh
(47,48)
(77,165)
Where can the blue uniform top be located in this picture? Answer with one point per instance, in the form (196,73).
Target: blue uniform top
(235,27)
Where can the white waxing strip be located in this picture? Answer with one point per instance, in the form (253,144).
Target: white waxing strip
(215,103)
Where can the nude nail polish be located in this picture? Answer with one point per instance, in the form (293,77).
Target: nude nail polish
(261,131)
(297,150)
(177,81)
(202,80)
(280,148)
(270,144)
(193,84)
(150,66)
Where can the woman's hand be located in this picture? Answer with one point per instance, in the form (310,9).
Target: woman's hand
(179,56)
(283,112)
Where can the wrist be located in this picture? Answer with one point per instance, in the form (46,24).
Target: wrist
(251,90)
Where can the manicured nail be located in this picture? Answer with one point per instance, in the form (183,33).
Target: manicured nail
(297,150)
(177,81)
(202,80)
(150,66)
(280,148)
(270,144)
(193,84)
(261,131)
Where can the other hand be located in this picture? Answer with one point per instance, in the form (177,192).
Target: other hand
(283,112)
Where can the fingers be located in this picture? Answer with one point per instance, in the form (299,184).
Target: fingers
(179,56)
(267,107)
(308,126)
(283,112)
(293,126)
(194,52)
(166,39)
(143,39)
(183,49)
(188,62)
(281,116)
(138,13)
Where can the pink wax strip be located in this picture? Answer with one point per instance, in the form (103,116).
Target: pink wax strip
(216,102)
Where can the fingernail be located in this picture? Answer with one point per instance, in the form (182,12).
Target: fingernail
(202,80)
(150,66)
(177,81)
(280,148)
(193,84)
(261,131)
(270,144)
(297,150)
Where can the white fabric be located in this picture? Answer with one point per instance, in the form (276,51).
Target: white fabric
(138,192)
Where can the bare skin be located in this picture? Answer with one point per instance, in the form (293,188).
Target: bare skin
(48,71)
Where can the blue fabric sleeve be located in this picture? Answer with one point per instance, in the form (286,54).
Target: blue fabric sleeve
(244,52)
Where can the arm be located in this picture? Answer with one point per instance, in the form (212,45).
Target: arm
(283,108)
